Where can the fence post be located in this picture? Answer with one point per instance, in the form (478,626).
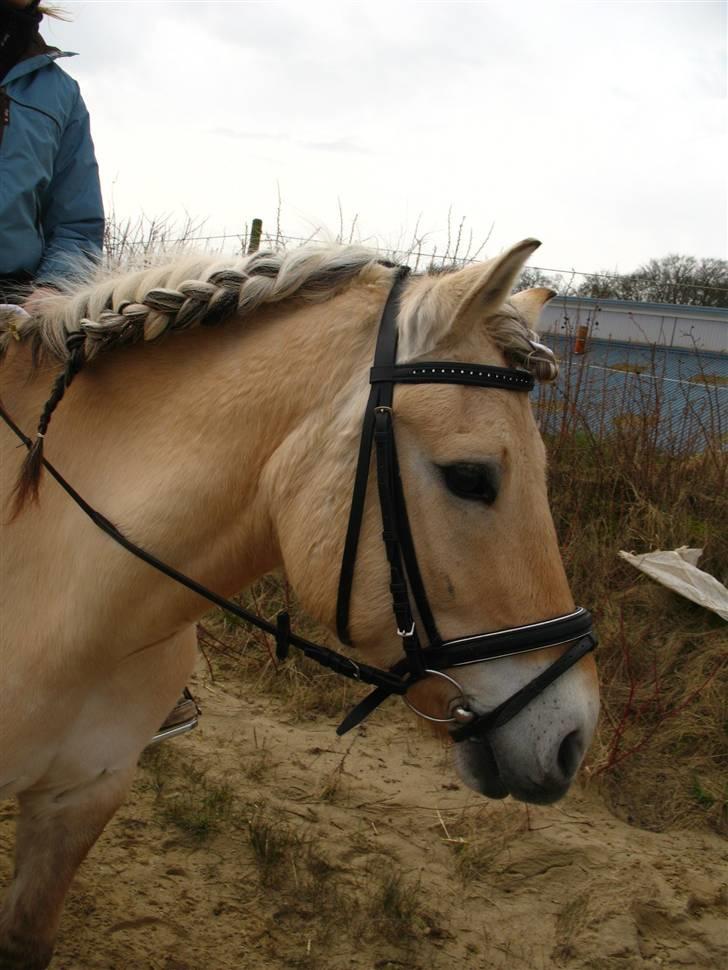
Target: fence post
(256,231)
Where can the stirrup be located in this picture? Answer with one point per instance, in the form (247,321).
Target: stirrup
(182,718)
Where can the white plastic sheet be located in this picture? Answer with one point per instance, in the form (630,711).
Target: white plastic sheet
(678,570)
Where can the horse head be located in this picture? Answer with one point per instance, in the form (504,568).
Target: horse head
(473,474)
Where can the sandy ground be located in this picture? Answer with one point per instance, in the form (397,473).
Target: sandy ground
(366,852)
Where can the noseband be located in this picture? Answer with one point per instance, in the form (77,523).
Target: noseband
(419,662)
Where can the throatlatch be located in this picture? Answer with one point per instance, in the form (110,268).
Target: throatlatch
(419,662)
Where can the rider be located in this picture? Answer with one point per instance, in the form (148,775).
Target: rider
(51,211)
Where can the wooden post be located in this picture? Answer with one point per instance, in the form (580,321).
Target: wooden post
(256,231)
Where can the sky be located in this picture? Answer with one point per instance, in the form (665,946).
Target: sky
(599,127)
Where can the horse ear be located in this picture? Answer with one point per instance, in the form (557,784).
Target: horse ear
(530,303)
(457,302)
(493,283)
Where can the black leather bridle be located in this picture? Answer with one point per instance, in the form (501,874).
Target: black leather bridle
(405,577)
(572,629)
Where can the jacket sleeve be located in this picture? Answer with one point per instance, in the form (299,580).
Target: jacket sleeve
(73,211)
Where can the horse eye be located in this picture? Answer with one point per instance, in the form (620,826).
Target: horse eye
(478,482)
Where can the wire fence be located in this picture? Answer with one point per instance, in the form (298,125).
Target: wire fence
(142,240)
(674,399)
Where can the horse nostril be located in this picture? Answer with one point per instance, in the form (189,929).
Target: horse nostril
(569,755)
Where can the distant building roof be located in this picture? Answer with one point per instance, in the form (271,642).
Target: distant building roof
(637,306)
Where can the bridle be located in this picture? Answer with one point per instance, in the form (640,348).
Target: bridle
(419,661)
(405,576)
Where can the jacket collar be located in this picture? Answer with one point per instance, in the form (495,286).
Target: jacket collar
(35,63)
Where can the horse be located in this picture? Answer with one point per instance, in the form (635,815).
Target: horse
(212,410)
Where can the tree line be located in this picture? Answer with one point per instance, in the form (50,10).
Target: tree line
(685,280)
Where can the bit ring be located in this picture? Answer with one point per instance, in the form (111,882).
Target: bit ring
(465,714)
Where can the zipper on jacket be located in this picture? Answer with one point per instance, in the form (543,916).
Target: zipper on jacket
(4,112)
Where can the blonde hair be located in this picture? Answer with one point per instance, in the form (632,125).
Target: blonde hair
(53,10)
(195,290)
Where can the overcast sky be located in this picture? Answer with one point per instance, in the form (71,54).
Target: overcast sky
(598,127)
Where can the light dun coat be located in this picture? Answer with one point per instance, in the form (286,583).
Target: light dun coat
(229,450)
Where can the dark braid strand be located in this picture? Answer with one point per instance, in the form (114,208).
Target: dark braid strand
(28,481)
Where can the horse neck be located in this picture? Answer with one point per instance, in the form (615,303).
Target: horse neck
(172,441)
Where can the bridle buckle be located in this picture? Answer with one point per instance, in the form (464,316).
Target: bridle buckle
(406,633)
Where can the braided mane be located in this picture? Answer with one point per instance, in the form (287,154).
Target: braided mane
(192,291)
(76,325)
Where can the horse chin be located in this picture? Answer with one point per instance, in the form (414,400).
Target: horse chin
(477,766)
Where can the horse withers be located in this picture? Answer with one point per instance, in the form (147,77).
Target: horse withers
(213,410)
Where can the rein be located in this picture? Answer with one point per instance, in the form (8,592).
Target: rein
(281,631)
(405,578)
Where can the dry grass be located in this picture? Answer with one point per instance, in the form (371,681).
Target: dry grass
(661,753)
(661,750)
(394,907)
(334,787)
(479,839)
(306,690)
(199,806)
(306,887)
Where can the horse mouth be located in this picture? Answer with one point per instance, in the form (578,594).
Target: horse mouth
(478,767)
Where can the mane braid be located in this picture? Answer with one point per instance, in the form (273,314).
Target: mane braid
(87,319)
(75,326)
(192,291)
(28,481)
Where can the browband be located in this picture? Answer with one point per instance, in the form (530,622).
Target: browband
(447,372)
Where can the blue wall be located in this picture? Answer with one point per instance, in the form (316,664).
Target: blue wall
(595,393)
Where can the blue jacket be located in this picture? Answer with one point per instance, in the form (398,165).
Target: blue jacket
(51,210)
